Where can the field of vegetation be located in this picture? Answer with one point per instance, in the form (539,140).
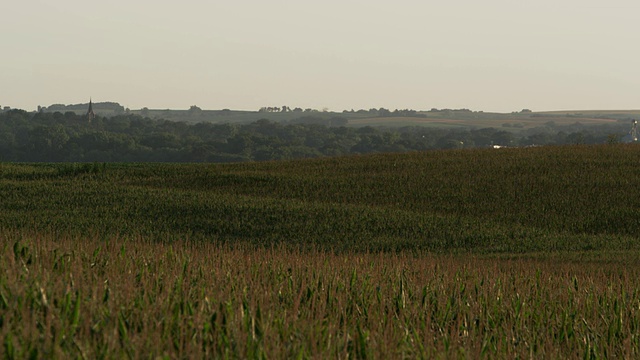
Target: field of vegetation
(529,252)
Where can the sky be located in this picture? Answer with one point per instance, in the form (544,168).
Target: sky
(490,55)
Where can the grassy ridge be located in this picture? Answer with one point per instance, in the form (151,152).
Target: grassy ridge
(510,200)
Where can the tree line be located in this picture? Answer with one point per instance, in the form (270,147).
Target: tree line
(68,137)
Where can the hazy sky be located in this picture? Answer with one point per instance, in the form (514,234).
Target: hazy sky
(491,55)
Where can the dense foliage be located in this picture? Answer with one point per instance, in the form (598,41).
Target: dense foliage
(58,137)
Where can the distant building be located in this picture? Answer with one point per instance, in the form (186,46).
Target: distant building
(90,114)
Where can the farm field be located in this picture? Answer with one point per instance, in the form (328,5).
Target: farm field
(528,252)
(438,118)
(518,121)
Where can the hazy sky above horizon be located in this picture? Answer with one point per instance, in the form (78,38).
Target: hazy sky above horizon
(491,55)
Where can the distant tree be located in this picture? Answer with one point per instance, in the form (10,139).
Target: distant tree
(577,138)
(7,145)
(239,145)
(538,139)
(48,142)
(449,143)
(161,140)
(271,109)
(503,138)
(384,112)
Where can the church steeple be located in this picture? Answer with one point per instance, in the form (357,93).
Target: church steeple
(90,113)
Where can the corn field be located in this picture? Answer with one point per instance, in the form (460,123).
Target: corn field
(118,298)
(450,254)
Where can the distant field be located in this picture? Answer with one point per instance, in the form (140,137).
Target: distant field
(443,119)
(497,121)
(595,113)
(409,121)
